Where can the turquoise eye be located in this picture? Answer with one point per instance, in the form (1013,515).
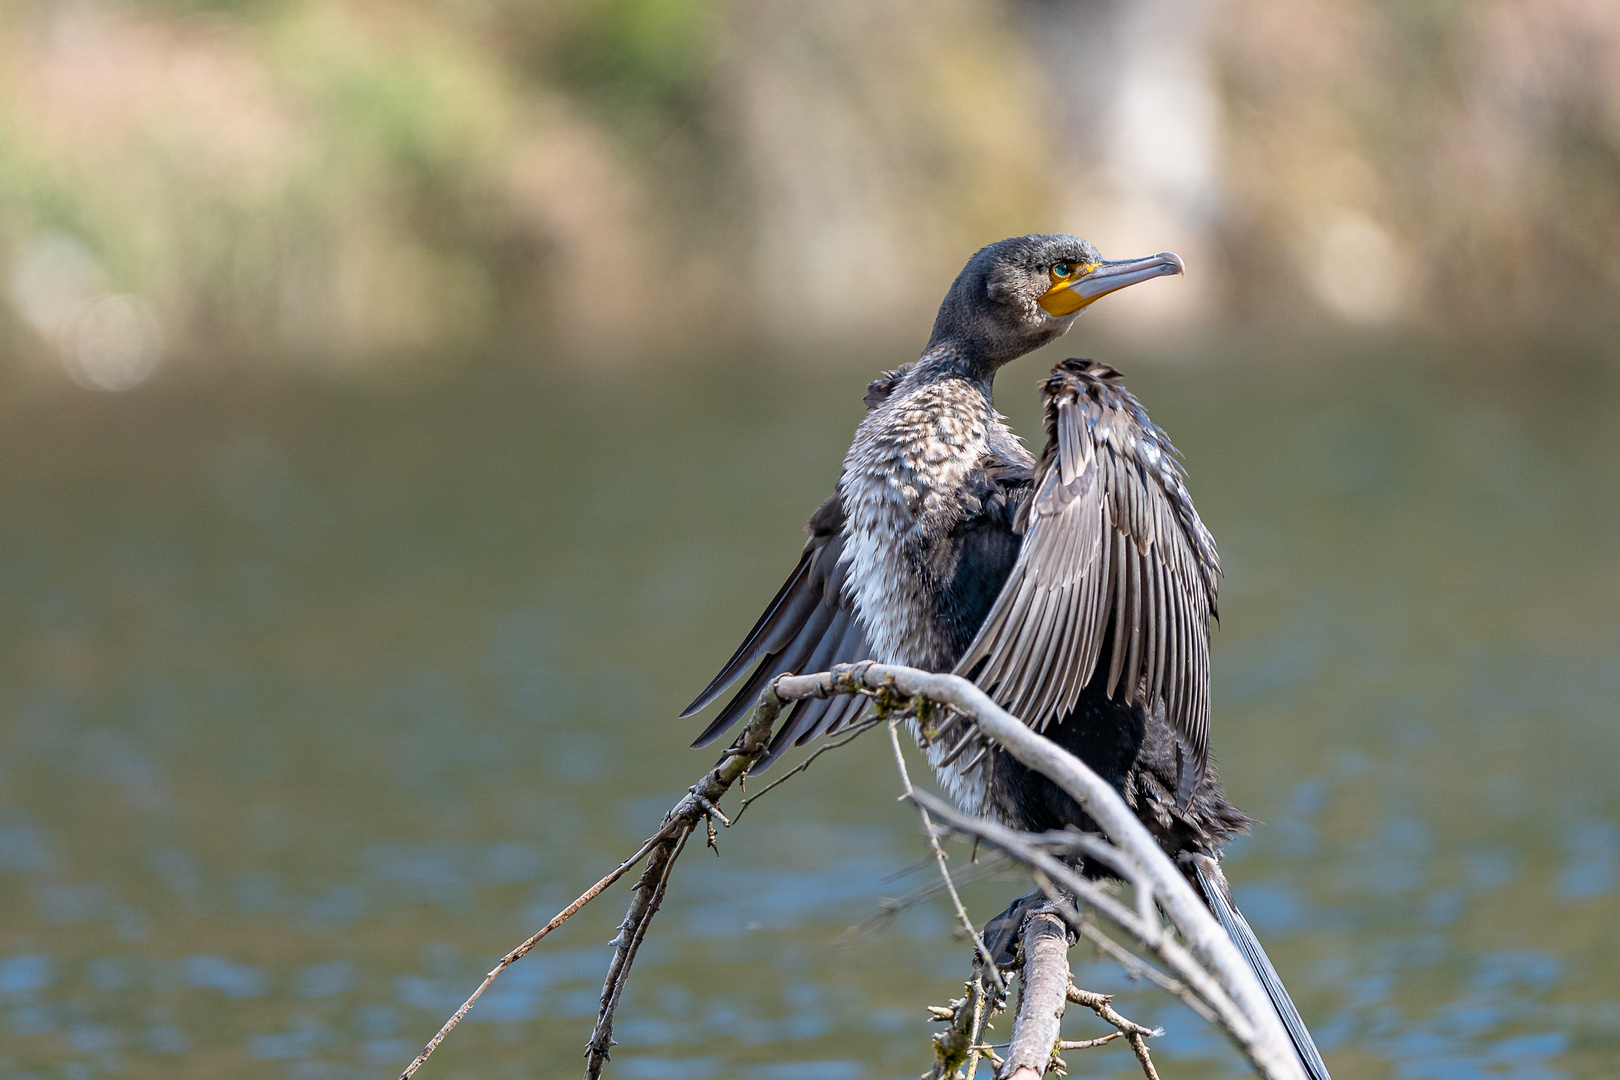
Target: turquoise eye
(1061,270)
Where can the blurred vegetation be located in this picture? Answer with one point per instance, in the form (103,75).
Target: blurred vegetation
(352,179)
(1484,136)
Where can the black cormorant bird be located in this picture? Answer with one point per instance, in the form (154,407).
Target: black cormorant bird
(1076,590)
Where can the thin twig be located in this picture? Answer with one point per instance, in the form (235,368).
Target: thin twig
(1087,1044)
(900,874)
(1136,967)
(1139,1045)
(957,1049)
(989,1051)
(888,908)
(803,765)
(976,1032)
(749,748)
(989,965)
(1228,985)
(649,896)
(1135,1034)
(1050,873)
(518,953)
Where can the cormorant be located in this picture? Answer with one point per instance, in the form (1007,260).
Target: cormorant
(1076,590)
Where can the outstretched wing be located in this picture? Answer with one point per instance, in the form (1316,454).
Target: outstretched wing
(1115,569)
(809,627)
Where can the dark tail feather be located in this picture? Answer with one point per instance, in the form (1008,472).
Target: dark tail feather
(1212,883)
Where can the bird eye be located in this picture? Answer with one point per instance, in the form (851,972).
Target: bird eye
(1061,270)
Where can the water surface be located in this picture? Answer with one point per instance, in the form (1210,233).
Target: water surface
(316,697)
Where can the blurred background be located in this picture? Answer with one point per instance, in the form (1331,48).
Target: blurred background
(262,182)
(404,407)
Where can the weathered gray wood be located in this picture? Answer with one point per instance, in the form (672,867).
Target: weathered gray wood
(1244,1011)
(1042,995)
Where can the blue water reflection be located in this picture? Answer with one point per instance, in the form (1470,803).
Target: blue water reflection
(314,703)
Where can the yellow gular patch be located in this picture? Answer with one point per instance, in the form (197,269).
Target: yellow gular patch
(1061,299)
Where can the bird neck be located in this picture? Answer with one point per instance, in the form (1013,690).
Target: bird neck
(950,361)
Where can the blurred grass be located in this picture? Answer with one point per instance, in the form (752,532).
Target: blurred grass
(372,179)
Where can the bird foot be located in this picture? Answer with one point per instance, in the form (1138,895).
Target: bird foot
(1002,933)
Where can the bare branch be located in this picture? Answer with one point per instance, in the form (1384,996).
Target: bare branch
(1227,985)
(1211,976)
(860,730)
(698,803)
(518,953)
(1139,1046)
(1136,967)
(1048,870)
(1135,1033)
(1042,991)
(649,896)
(982,955)
(957,1049)
(1087,1044)
(1102,1005)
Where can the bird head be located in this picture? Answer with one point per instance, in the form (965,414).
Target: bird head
(1016,295)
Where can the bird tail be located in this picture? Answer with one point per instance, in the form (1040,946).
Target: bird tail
(1217,894)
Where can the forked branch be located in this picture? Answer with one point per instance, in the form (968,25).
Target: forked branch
(665,844)
(1210,964)
(1207,972)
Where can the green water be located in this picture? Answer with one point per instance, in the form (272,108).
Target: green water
(316,696)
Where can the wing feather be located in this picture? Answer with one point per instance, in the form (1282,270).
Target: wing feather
(790,659)
(1024,627)
(809,626)
(1120,600)
(1161,620)
(1175,651)
(808,718)
(1082,663)
(1133,624)
(739,705)
(1043,623)
(1115,567)
(775,628)
(845,711)
(1065,680)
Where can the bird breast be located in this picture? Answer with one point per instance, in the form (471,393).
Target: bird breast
(904,489)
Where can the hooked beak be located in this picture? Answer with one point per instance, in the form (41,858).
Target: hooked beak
(1093,280)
